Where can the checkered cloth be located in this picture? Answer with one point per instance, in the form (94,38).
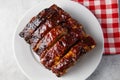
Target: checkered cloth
(107,13)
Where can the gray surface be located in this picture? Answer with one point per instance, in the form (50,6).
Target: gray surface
(10,12)
(108,69)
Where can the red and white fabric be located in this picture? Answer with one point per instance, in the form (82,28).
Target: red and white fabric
(107,13)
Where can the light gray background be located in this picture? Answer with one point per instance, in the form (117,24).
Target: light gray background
(10,12)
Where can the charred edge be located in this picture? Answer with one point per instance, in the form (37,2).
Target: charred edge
(90,42)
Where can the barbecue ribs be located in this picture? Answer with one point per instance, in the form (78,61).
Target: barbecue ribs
(57,38)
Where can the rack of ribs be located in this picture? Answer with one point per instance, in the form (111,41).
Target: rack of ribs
(57,38)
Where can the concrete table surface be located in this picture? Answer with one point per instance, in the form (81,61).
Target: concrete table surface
(10,12)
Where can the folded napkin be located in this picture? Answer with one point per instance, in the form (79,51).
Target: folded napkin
(107,13)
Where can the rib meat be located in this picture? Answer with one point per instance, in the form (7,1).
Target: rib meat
(55,53)
(69,59)
(73,55)
(45,28)
(49,39)
(53,12)
(41,32)
(57,38)
(34,24)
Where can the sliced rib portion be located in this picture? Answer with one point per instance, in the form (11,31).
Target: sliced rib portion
(36,21)
(73,55)
(69,59)
(58,50)
(33,25)
(62,46)
(41,32)
(49,39)
(46,27)
(54,13)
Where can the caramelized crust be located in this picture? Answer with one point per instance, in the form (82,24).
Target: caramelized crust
(73,55)
(41,32)
(49,39)
(46,27)
(56,52)
(61,13)
(69,59)
(35,22)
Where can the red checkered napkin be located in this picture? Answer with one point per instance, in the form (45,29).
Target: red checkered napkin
(107,13)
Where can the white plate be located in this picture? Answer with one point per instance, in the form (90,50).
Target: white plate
(87,63)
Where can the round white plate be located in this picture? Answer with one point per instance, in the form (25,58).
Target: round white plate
(87,63)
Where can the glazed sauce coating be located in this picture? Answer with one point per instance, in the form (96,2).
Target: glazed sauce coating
(49,39)
(35,22)
(46,27)
(56,52)
(59,49)
(69,59)
(40,33)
